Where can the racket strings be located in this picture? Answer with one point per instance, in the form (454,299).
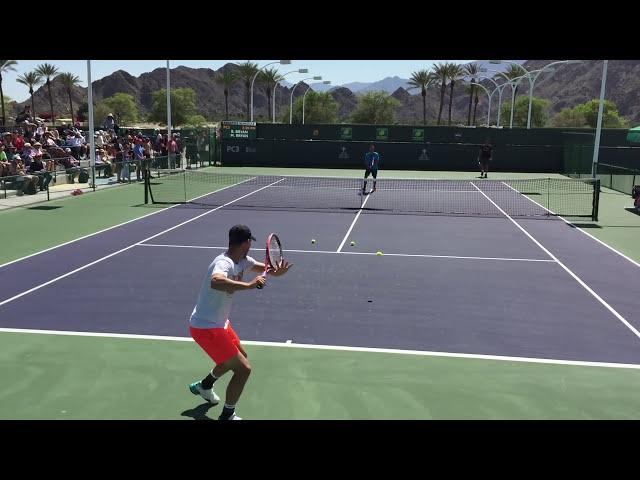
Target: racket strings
(275,253)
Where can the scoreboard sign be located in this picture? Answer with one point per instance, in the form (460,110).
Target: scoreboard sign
(239,130)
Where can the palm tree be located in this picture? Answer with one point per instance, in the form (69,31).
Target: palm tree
(246,71)
(69,80)
(421,80)
(226,78)
(5,66)
(48,71)
(440,72)
(31,79)
(475,105)
(455,71)
(271,77)
(472,70)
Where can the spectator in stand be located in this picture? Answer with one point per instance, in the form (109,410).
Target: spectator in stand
(100,139)
(7,139)
(29,130)
(27,154)
(40,131)
(18,141)
(38,168)
(55,135)
(110,123)
(172,148)
(180,149)
(138,157)
(148,148)
(84,150)
(117,147)
(29,182)
(24,115)
(49,141)
(103,163)
(158,143)
(11,151)
(70,164)
(36,149)
(125,173)
(5,164)
(76,142)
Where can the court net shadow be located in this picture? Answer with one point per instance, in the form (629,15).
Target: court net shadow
(199,412)
(585,225)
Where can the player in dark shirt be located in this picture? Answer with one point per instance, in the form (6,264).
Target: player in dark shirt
(486,151)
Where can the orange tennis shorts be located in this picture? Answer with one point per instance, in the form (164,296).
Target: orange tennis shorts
(221,344)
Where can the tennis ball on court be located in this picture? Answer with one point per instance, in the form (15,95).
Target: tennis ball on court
(352,243)
(379,253)
(313,240)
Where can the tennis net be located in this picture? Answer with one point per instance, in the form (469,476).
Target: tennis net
(541,197)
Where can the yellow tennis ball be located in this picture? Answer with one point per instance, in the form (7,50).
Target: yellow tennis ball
(378,253)
(352,243)
(313,240)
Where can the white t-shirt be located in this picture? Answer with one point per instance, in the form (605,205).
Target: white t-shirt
(213,306)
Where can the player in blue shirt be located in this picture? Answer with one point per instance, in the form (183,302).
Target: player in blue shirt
(371,161)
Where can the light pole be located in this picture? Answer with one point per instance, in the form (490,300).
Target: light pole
(168,104)
(508,82)
(533,81)
(325,82)
(281,62)
(499,88)
(514,86)
(92,140)
(596,147)
(513,83)
(275,87)
(291,99)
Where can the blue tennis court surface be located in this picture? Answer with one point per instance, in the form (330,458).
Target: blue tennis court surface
(490,285)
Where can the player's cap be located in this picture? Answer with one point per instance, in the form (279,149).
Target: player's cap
(240,233)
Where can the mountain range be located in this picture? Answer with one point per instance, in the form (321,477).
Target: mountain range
(567,86)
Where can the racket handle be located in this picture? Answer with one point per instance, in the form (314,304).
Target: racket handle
(260,287)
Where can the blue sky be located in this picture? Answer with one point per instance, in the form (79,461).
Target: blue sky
(338,71)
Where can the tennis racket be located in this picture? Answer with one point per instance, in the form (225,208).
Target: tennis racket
(273,255)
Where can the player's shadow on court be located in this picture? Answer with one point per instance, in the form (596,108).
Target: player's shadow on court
(199,413)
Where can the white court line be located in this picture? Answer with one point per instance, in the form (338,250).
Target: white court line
(352,224)
(567,269)
(543,260)
(578,228)
(130,246)
(287,344)
(118,225)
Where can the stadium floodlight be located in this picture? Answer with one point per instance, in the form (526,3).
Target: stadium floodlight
(281,62)
(317,77)
(275,88)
